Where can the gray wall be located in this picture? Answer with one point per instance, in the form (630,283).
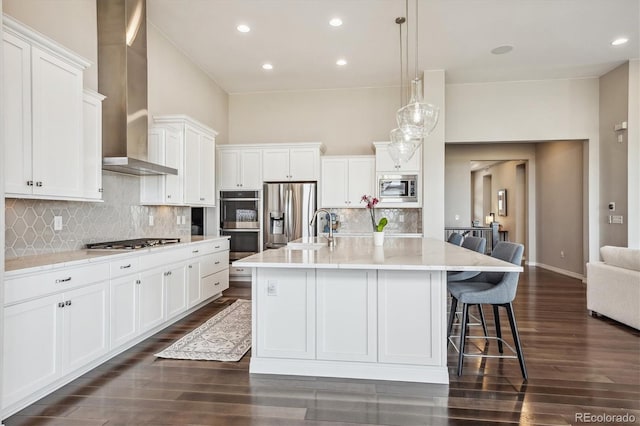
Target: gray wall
(559,207)
(614,95)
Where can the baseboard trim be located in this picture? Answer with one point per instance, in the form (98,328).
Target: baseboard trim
(558,270)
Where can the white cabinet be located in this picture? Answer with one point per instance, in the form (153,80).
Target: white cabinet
(43,116)
(286,313)
(346,315)
(151,300)
(384,163)
(299,163)
(194,295)
(124,309)
(346,179)
(185,144)
(239,168)
(51,336)
(165,147)
(92,143)
(175,285)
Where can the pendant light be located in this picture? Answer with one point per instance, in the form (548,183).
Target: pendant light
(417,119)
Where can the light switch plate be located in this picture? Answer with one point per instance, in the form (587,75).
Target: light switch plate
(272,288)
(150,220)
(57,223)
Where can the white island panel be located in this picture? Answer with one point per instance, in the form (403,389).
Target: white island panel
(347,326)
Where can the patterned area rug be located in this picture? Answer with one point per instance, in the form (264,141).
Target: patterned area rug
(224,337)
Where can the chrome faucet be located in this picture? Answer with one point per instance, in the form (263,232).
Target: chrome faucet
(331,242)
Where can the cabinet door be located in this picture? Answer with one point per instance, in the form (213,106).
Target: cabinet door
(334,182)
(286,313)
(123,306)
(362,175)
(173,157)
(57,126)
(207,171)
(411,329)
(346,315)
(32,338)
(176,288)
(194,295)
(229,169)
(92,146)
(303,164)
(275,164)
(16,93)
(251,169)
(384,163)
(192,166)
(150,300)
(85,326)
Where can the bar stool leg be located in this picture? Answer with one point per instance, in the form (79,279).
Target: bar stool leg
(482,320)
(452,315)
(516,339)
(496,316)
(463,335)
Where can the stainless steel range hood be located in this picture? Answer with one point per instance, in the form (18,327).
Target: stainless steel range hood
(122,78)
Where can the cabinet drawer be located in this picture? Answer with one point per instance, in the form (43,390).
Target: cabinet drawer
(215,283)
(162,258)
(36,285)
(239,271)
(214,263)
(123,267)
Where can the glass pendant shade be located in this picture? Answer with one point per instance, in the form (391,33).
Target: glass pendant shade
(417,118)
(402,146)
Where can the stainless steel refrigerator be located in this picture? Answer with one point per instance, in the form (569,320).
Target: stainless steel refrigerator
(288,209)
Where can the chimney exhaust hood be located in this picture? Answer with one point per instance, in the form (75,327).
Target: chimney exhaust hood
(122,78)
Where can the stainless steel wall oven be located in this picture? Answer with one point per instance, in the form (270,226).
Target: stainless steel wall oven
(240,219)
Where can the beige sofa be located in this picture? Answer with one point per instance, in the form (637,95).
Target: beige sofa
(613,285)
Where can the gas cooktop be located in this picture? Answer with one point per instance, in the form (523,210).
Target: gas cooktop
(132,244)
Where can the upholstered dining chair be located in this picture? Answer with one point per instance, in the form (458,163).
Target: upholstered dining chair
(493,288)
(478,244)
(455,239)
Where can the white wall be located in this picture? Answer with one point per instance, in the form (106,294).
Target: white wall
(1,221)
(347,121)
(71,23)
(178,86)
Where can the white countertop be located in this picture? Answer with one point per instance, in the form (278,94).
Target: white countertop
(395,254)
(42,262)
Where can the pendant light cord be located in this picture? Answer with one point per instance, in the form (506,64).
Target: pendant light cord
(416,20)
(399,21)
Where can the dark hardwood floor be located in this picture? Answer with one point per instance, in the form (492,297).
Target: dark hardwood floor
(577,364)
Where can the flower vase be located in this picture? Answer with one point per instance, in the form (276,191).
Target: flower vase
(378,238)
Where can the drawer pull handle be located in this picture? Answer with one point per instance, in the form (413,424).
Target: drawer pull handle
(217,262)
(60,304)
(218,283)
(125,266)
(196,251)
(216,246)
(240,270)
(190,266)
(63,280)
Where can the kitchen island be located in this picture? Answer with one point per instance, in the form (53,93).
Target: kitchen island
(356,310)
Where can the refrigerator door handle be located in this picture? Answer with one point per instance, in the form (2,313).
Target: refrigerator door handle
(289,209)
(294,220)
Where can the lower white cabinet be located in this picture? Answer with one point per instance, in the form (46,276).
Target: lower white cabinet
(51,336)
(60,321)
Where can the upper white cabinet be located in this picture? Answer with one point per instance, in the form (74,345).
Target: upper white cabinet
(187,145)
(384,163)
(92,136)
(345,179)
(288,162)
(239,168)
(43,116)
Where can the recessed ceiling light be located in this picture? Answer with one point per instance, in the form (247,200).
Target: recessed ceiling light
(335,22)
(341,62)
(619,41)
(501,50)
(267,66)
(243,28)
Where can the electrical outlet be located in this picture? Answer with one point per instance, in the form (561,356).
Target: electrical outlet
(178,220)
(457,217)
(57,223)
(272,288)
(562,254)
(184,219)
(401,218)
(150,220)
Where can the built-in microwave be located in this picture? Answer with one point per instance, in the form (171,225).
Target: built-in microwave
(398,188)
